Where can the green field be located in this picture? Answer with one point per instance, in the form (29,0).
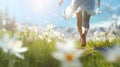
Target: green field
(40,50)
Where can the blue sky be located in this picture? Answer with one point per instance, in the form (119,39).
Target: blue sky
(40,11)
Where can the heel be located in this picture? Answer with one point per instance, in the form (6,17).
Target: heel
(83,39)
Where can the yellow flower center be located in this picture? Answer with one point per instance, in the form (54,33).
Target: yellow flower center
(69,57)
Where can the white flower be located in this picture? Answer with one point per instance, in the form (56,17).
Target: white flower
(113,54)
(96,34)
(48,40)
(58,35)
(102,33)
(111,37)
(50,27)
(67,54)
(12,46)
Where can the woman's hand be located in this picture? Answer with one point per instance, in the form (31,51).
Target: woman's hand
(60,2)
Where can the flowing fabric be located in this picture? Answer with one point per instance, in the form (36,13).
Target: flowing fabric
(79,5)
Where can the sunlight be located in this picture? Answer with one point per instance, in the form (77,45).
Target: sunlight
(41,5)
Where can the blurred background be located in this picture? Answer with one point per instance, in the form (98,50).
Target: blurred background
(19,14)
(38,12)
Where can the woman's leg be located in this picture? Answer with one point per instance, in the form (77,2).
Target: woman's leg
(85,27)
(79,22)
(85,22)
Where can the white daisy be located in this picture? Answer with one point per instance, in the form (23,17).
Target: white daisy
(67,54)
(12,46)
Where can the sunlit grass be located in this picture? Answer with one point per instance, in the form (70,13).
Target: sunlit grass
(39,52)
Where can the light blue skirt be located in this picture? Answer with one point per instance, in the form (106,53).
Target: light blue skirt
(79,5)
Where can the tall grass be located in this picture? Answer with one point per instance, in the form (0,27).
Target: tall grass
(39,53)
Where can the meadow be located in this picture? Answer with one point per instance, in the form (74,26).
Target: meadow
(23,44)
(42,45)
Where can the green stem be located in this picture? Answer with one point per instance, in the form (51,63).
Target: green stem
(10,63)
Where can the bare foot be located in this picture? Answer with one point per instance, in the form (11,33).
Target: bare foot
(83,39)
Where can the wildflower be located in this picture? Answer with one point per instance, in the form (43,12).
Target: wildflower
(12,46)
(58,35)
(50,27)
(27,30)
(113,54)
(48,40)
(67,54)
(96,34)
(111,37)
(102,33)
(62,36)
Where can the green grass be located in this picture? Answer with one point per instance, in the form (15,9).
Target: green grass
(39,53)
